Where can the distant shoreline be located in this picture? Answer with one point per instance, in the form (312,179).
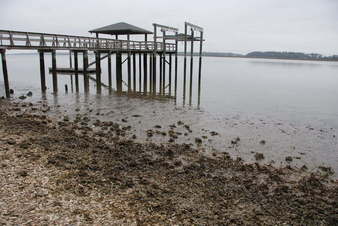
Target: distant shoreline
(219,56)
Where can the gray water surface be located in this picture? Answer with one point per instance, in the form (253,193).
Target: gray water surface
(292,105)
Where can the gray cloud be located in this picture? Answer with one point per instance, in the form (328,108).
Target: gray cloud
(231,25)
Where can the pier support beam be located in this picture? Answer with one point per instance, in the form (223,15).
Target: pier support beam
(154,74)
(5,72)
(140,71)
(161,70)
(151,74)
(98,71)
(42,71)
(191,65)
(76,68)
(54,73)
(170,69)
(85,71)
(145,73)
(119,72)
(110,82)
(134,72)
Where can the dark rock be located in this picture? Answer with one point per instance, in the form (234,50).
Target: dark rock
(262,142)
(29,94)
(180,123)
(259,156)
(23,173)
(11,91)
(288,159)
(158,127)
(124,120)
(198,140)
(11,142)
(213,133)
(22,97)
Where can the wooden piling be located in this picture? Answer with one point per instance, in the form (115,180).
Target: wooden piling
(145,73)
(176,66)
(42,71)
(161,70)
(151,75)
(54,74)
(140,71)
(119,72)
(154,74)
(76,68)
(170,62)
(5,72)
(98,71)
(191,65)
(200,70)
(85,72)
(134,72)
(71,66)
(110,82)
(129,65)
(185,60)
(164,62)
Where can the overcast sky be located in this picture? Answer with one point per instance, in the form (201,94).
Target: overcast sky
(230,25)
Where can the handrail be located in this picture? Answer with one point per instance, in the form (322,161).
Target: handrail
(35,40)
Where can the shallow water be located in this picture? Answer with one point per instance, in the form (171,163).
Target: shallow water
(292,105)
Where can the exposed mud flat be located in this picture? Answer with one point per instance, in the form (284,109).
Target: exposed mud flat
(67,172)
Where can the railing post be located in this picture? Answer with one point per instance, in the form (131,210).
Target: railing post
(5,72)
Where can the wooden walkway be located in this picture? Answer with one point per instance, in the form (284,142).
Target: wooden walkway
(44,41)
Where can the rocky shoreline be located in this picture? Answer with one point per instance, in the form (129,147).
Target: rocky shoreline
(67,172)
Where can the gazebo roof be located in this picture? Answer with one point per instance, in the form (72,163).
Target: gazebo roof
(120,29)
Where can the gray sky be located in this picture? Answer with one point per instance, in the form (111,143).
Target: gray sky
(230,25)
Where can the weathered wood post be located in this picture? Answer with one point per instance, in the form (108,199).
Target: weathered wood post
(185,60)
(76,68)
(200,70)
(191,65)
(119,72)
(151,75)
(161,70)
(42,71)
(140,71)
(5,72)
(154,73)
(170,62)
(54,74)
(164,61)
(71,66)
(145,66)
(134,72)
(85,71)
(128,62)
(98,70)
(110,82)
(176,51)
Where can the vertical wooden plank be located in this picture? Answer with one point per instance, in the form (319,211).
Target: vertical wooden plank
(151,73)
(140,71)
(161,70)
(145,73)
(98,71)
(164,62)
(5,72)
(76,68)
(85,71)
(176,61)
(191,65)
(42,71)
(54,74)
(134,72)
(110,82)
(119,72)
(200,71)
(129,64)
(154,74)
(170,63)
(185,60)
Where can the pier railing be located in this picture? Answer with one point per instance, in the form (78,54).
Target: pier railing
(34,40)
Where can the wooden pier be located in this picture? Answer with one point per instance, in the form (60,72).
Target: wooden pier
(163,47)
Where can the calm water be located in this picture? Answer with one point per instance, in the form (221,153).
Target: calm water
(293,105)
